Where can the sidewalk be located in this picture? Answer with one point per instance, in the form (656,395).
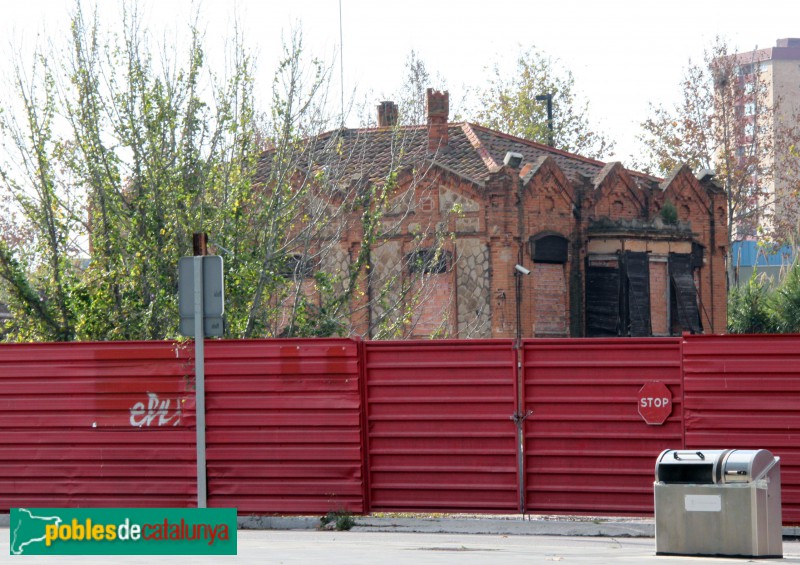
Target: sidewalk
(256,547)
(542,525)
(470,524)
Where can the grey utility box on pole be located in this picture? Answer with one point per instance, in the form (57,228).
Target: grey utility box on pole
(213,295)
(718,502)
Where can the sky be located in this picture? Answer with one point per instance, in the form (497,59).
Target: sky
(624,54)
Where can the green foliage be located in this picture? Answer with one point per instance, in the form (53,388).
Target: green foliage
(709,129)
(749,308)
(786,302)
(125,153)
(509,104)
(150,147)
(669,213)
(341,520)
(755,307)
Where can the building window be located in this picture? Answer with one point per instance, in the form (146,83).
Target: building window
(296,267)
(602,301)
(429,261)
(637,287)
(549,247)
(618,298)
(685,314)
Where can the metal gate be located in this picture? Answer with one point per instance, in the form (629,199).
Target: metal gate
(439,429)
(587,448)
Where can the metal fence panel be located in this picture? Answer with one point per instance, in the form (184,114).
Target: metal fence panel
(743,392)
(587,449)
(95,425)
(283,421)
(440,433)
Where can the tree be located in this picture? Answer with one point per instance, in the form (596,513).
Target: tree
(509,104)
(411,97)
(725,121)
(125,152)
(757,307)
(117,157)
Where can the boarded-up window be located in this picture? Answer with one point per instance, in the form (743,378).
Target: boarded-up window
(683,295)
(431,300)
(550,305)
(659,297)
(602,301)
(549,247)
(618,297)
(637,274)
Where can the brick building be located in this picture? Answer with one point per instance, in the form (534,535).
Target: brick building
(607,251)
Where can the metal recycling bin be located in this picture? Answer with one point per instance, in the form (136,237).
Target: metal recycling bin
(718,502)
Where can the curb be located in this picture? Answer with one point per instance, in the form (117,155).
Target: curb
(492,526)
(614,528)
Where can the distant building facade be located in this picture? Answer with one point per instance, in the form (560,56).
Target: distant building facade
(606,251)
(779,69)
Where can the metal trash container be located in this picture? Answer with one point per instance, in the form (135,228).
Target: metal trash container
(718,502)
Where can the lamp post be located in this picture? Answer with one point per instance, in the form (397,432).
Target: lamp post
(549,99)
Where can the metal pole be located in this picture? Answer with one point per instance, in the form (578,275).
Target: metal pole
(199,379)
(549,99)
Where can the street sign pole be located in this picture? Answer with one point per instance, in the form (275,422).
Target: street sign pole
(199,379)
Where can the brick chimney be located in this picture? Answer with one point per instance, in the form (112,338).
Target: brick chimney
(387,114)
(438,104)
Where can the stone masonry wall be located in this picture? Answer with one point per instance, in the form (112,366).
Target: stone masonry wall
(472,289)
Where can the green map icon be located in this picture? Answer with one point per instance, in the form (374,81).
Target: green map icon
(28,529)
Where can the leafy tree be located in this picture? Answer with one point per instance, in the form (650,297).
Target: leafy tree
(120,156)
(725,121)
(509,104)
(411,97)
(120,153)
(757,307)
(749,309)
(785,302)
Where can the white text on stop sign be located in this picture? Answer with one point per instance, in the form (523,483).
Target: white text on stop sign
(649,401)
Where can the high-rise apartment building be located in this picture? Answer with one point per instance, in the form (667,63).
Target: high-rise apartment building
(778,69)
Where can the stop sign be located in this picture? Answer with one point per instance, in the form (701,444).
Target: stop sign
(655,403)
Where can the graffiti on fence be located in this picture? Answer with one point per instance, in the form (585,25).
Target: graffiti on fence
(156,413)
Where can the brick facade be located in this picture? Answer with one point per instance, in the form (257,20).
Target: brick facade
(591,213)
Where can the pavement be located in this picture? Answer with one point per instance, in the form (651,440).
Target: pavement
(462,539)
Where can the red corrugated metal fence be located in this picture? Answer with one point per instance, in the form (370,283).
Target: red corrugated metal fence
(95,425)
(744,392)
(587,449)
(440,433)
(284,426)
(312,426)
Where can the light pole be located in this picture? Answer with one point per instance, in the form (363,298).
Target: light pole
(549,99)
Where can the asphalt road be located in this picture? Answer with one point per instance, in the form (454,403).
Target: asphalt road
(310,546)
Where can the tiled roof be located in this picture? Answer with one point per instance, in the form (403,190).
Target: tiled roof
(472,152)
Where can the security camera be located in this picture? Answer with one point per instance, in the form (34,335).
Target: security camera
(522,270)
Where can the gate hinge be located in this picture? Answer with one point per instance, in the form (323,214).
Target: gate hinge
(518,418)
